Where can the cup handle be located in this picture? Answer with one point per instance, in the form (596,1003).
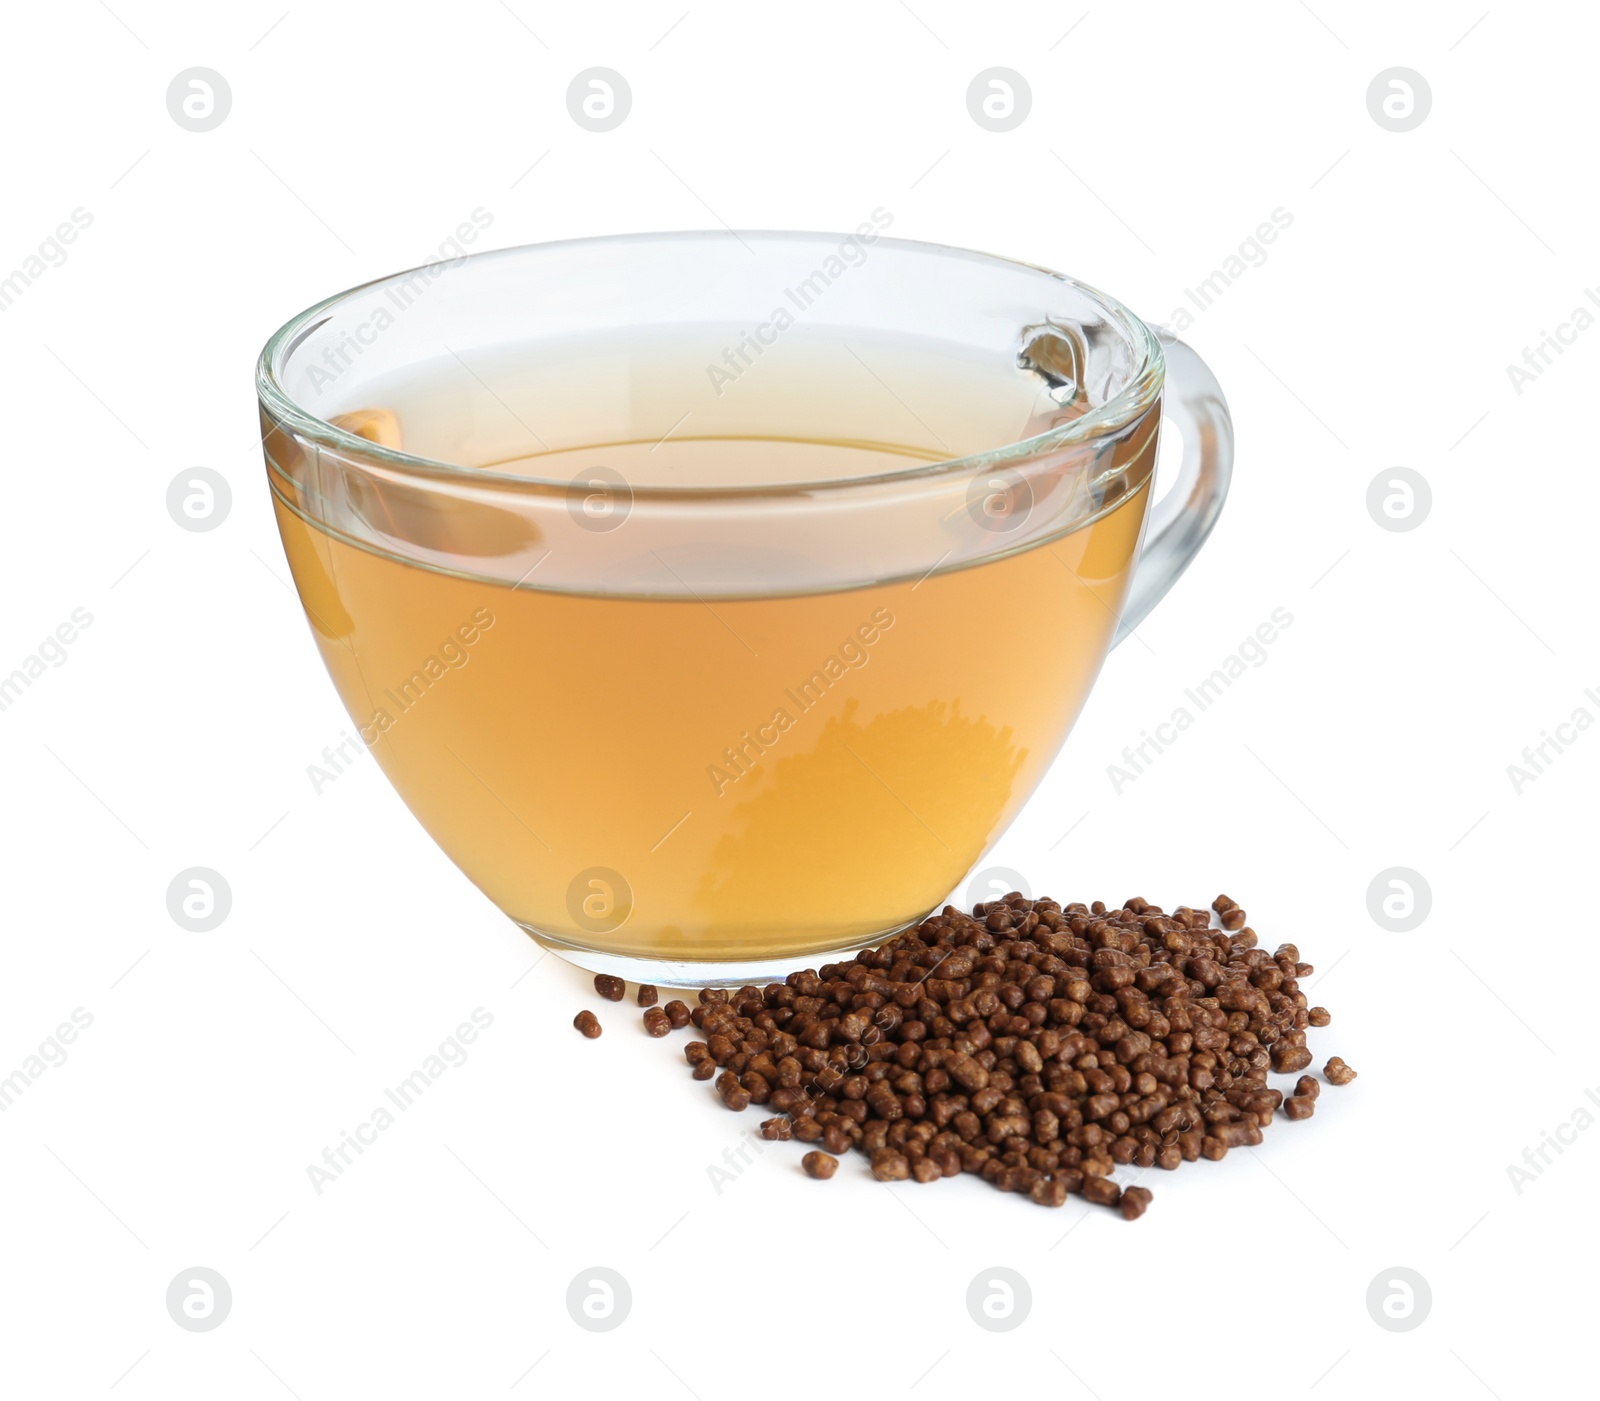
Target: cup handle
(1181,520)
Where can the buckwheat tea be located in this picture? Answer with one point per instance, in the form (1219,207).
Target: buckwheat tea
(1040,1046)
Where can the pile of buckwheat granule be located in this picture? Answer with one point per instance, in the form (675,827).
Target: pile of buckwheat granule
(1037,1045)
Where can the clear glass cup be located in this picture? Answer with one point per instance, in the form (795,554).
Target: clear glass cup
(715,600)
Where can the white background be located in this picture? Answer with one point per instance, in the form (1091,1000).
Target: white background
(1377,734)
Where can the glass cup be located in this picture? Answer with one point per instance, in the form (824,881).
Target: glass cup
(715,600)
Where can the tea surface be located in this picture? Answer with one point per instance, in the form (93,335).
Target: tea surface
(689,778)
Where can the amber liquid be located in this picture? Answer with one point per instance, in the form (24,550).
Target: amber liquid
(716,779)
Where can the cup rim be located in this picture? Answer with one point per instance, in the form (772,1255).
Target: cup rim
(1133,399)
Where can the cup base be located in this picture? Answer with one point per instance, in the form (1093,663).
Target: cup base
(702,973)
